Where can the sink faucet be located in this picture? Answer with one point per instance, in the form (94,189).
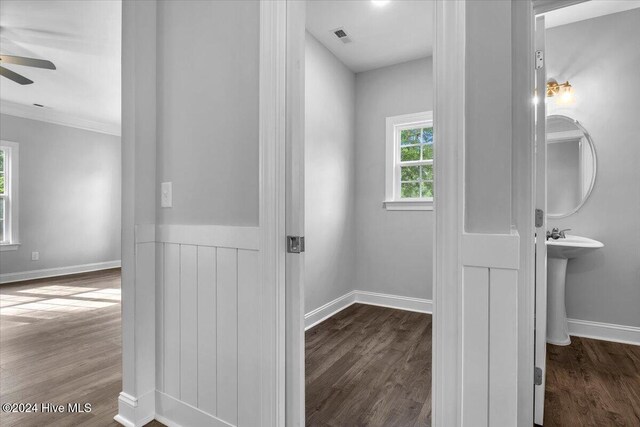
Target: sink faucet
(556,234)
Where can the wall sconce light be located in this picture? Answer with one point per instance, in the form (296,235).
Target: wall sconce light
(562,92)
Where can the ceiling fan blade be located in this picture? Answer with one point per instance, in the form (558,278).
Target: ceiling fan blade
(4,72)
(29,62)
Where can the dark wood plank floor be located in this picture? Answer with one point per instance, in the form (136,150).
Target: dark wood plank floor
(592,383)
(369,366)
(60,343)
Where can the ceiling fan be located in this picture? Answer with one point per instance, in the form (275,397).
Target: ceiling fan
(21,60)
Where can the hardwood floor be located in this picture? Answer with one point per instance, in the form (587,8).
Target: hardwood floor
(592,383)
(369,366)
(60,343)
(366,366)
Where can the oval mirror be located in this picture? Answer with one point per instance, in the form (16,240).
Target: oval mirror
(571,166)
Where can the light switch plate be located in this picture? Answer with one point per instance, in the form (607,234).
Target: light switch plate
(166,195)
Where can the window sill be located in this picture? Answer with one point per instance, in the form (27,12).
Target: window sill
(5,247)
(408,205)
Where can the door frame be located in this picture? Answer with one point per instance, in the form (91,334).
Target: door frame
(540,351)
(540,196)
(282,161)
(272,120)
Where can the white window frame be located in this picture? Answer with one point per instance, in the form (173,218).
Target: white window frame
(395,124)
(11,161)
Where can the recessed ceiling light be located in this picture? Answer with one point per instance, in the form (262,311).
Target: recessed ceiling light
(380,3)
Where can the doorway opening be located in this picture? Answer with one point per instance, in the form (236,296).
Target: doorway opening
(60,212)
(587,329)
(368,212)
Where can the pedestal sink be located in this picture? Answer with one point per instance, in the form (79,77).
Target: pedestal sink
(559,252)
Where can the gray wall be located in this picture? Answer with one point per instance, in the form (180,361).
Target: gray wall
(329,176)
(394,248)
(207,118)
(69,187)
(601,59)
(488,118)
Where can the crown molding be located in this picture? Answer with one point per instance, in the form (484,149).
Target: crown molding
(50,116)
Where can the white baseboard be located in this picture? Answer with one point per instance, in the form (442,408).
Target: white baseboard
(58,271)
(395,301)
(604,331)
(175,413)
(320,314)
(135,412)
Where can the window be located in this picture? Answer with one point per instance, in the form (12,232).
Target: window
(409,171)
(8,195)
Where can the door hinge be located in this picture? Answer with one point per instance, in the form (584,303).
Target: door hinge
(539,218)
(539,59)
(537,376)
(295,244)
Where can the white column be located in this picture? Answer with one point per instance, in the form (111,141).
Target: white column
(483,193)
(137,400)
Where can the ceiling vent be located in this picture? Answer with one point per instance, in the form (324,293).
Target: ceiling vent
(341,34)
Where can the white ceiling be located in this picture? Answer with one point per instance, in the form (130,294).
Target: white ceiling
(83,39)
(587,10)
(382,35)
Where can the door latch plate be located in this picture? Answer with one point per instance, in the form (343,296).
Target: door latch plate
(537,376)
(539,218)
(295,244)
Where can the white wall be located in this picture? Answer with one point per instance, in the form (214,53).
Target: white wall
(394,248)
(207,89)
(329,176)
(69,188)
(601,59)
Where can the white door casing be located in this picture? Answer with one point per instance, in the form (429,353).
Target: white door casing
(295,212)
(272,205)
(541,203)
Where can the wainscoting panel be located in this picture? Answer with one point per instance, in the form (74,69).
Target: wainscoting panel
(503,342)
(208,302)
(207,298)
(159,315)
(490,330)
(248,336)
(188,324)
(227,309)
(475,344)
(172,319)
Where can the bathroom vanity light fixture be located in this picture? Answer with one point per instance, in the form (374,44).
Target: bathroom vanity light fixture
(562,92)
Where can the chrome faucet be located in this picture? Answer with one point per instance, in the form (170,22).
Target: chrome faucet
(556,234)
